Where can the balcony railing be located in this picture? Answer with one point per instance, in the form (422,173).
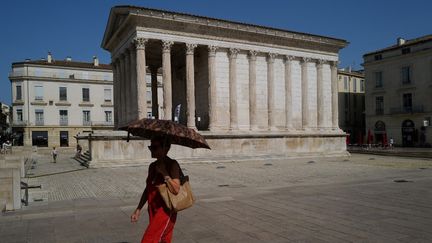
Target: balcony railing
(87,123)
(64,122)
(379,112)
(102,123)
(39,122)
(407,109)
(19,123)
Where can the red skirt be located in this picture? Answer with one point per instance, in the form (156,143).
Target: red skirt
(161,221)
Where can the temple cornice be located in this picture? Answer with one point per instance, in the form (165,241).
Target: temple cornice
(204,26)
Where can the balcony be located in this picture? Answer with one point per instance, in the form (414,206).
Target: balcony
(102,123)
(64,122)
(407,109)
(19,123)
(39,122)
(87,123)
(379,112)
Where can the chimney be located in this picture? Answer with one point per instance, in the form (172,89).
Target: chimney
(400,41)
(68,58)
(49,57)
(95,61)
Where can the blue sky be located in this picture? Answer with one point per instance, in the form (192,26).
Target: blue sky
(29,29)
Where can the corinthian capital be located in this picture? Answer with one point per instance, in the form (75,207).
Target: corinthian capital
(252,55)
(305,60)
(166,45)
(212,50)
(233,52)
(334,64)
(140,42)
(271,57)
(321,62)
(190,48)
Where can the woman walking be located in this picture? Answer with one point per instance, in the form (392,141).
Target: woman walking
(163,170)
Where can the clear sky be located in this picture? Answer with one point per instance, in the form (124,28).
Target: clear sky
(29,29)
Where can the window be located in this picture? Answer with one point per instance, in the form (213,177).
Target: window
(345,83)
(354,85)
(63,93)
(149,97)
(406,75)
(379,105)
(407,102)
(19,115)
(107,95)
(355,102)
(63,117)
(39,115)
(406,50)
(18,93)
(378,80)
(38,92)
(108,116)
(362,85)
(86,118)
(378,57)
(86,94)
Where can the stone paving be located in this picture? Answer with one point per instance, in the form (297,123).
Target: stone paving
(351,199)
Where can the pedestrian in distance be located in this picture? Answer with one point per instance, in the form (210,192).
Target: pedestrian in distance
(54,154)
(162,171)
(391,143)
(78,151)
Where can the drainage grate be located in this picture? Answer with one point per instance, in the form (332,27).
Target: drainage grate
(220,167)
(268,164)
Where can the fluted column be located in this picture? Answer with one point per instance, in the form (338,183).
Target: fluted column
(288,93)
(212,81)
(252,91)
(116,81)
(141,77)
(133,83)
(270,92)
(166,75)
(320,94)
(190,85)
(122,91)
(305,91)
(127,86)
(334,97)
(154,91)
(233,88)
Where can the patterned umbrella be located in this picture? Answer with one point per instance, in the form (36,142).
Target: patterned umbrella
(174,132)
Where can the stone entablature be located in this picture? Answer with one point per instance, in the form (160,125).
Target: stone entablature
(130,16)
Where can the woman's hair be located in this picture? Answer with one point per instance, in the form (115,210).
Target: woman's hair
(163,140)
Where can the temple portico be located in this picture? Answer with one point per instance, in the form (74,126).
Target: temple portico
(231,80)
(236,89)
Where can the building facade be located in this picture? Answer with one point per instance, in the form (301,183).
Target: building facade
(5,119)
(54,100)
(398,88)
(351,87)
(244,86)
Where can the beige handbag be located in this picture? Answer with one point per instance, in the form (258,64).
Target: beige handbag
(184,199)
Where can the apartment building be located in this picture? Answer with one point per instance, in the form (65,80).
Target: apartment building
(398,92)
(53,100)
(351,90)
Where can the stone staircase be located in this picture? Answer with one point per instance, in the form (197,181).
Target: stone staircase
(84,159)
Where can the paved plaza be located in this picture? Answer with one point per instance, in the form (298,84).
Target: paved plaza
(362,198)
